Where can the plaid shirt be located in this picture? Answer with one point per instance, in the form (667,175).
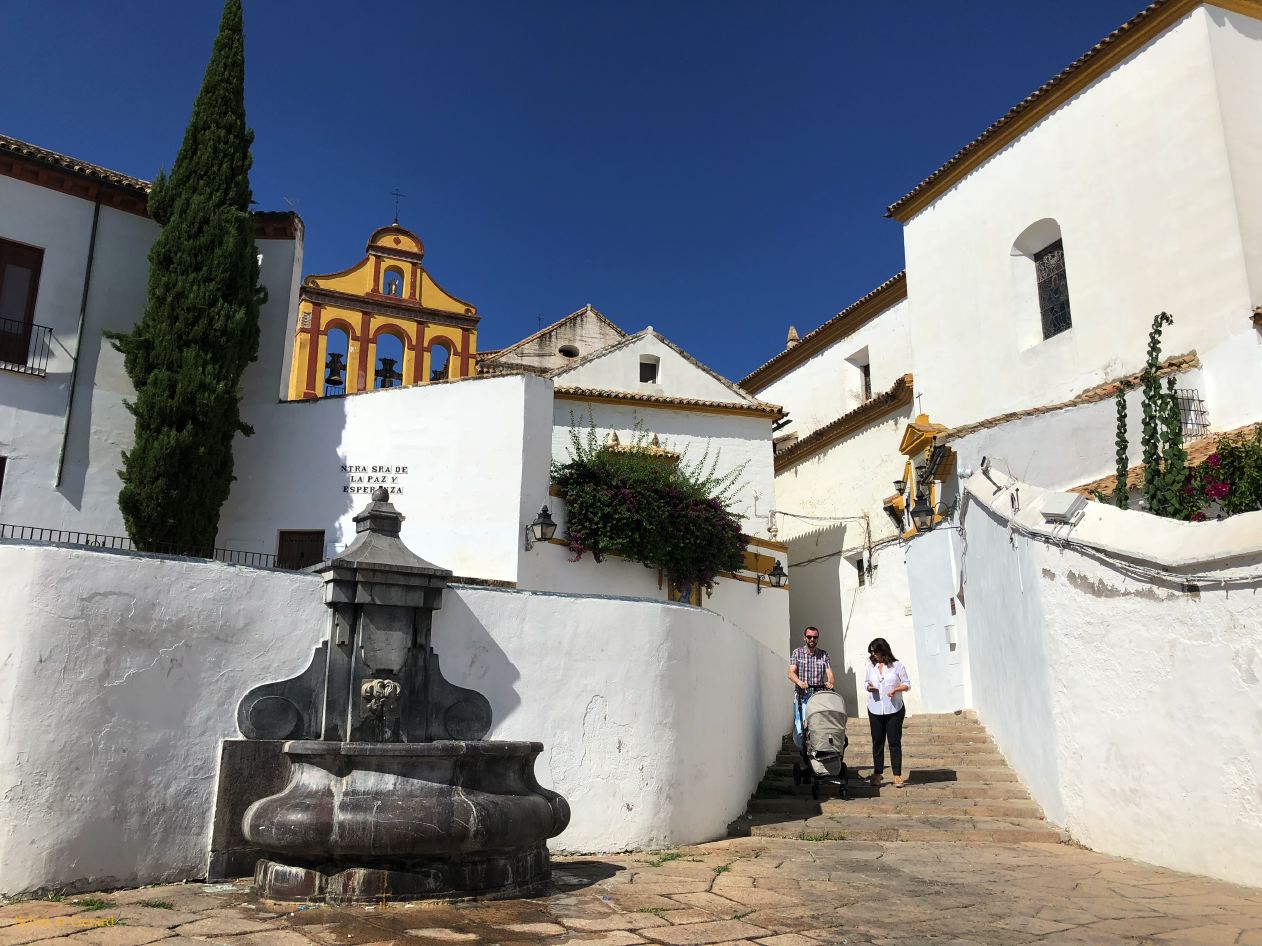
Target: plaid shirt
(811,666)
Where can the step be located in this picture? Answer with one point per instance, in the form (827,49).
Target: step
(931,750)
(982,791)
(925,770)
(896,803)
(942,829)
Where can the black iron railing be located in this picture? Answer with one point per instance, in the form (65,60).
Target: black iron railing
(25,347)
(122,543)
(1192,412)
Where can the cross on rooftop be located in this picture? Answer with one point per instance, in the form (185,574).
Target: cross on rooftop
(397,196)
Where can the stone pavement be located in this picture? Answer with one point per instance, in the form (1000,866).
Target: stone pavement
(756,890)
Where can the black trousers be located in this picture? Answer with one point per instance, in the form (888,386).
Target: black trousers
(887,726)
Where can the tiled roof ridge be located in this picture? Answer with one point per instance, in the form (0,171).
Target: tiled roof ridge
(74,165)
(1100,392)
(898,393)
(1144,16)
(646,332)
(753,406)
(802,348)
(499,353)
(1198,451)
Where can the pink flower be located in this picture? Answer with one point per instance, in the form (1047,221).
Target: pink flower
(1198,517)
(1213,460)
(1217,489)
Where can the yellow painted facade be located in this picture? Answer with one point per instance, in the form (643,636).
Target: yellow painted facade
(395,318)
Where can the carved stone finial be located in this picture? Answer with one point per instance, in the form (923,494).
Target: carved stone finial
(381,495)
(793,340)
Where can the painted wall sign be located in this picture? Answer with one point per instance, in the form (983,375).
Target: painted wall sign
(361,478)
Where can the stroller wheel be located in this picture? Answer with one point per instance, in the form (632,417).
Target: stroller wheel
(815,790)
(797,774)
(843,791)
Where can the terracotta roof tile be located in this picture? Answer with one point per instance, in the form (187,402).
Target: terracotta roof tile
(752,406)
(74,165)
(1100,392)
(1198,451)
(899,394)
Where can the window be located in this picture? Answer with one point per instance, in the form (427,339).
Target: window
(19,282)
(388,373)
(392,282)
(336,343)
(1049,269)
(2,459)
(859,380)
(439,362)
(648,369)
(569,351)
(865,381)
(299,548)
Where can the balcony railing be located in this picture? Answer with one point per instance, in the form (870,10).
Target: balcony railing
(25,347)
(92,540)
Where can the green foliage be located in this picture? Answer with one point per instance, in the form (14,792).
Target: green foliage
(1121,494)
(1232,475)
(637,504)
(1153,413)
(94,903)
(157,904)
(200,327)
(664,858)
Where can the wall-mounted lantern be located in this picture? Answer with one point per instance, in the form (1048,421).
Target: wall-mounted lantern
(541,530)
(922,514)
(775,577)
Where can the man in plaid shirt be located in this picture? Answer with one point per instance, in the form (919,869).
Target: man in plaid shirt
(809,666)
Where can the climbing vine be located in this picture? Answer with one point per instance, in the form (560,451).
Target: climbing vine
(1121,494)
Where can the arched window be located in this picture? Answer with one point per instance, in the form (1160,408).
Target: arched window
(389,370)
(392,282)
(336,344)
(439,362)
(1042,269)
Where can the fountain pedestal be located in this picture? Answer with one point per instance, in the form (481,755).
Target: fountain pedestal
(414,804)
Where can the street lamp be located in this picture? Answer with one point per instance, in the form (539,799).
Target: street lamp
(775,577)
(922,514)
(541,530)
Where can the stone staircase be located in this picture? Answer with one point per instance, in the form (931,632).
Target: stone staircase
(959,788)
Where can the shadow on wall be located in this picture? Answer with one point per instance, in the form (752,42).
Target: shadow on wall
(267,508)
(469,657)
(815,598)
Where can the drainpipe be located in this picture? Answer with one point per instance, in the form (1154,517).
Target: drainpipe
(78,345)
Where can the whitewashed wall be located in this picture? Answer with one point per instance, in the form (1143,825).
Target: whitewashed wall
(1128,706)
(850,477)
(735,439)
(934,562)
(1066,448)
(619,370)
(825,592)
(33,409)
(763,615)
(120,674)
(1137,172)
(828,385)
(471,453)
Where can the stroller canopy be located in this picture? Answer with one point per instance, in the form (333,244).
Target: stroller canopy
(825,719)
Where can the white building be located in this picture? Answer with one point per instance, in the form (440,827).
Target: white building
(74,244)
(1036,259)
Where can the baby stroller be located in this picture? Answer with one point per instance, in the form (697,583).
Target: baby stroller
(820,734)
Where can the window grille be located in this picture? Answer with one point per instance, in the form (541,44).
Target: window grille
(1192,412)
(1049,268)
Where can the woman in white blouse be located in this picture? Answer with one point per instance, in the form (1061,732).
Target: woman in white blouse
(886,683)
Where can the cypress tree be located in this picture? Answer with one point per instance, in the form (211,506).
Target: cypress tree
(200,327)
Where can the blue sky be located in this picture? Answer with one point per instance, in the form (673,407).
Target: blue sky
(716,169)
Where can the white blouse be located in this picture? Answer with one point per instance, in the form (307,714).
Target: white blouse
(885,679)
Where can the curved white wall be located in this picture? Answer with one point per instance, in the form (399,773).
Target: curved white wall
(120,674)
(1129,706)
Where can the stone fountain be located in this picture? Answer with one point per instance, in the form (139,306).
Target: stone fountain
(393,793)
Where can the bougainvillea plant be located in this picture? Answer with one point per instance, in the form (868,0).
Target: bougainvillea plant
(1231,476)
(650,507)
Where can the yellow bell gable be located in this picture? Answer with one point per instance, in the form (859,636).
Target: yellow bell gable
(381,323)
